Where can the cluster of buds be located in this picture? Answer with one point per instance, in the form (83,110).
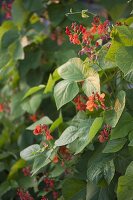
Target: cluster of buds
(6,8)
(80,102)
(26,171)
(104,134)
(50,186)
(65,153)
(24,195)
(96,101)
(40,129)
(89,39)
(33,118)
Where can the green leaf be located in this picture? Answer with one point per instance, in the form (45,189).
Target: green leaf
(56,123)
(19,13)
(43,159)
(9,37)
(114,145)
(33,5)
(31,104)
(100,166)
(51,81)
(6,186)
(95,128)
(124,126)
(112,117)
(115,46)
(15,167)
(125,35)
(91,83)
(30,152)
(44,120)
(64,92)
(124,59)
(33,90)
(87,129)
(68,136)
(125,184)
(74,189)
(72,70)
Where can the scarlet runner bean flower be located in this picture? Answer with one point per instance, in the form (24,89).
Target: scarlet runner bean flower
(44,198)
(88,38)
(26,171)
(49,183)
(96,101)
(55,195)
(55,159)
(1,107)
(6,7)
(33,117)
(80,102)
(40,129)
(104,134)
(24,195)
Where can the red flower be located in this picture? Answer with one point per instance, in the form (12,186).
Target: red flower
(38,130)
(80,102)
(44,198)
(49,182)
(104,134)
(55,159)
(24,195)
(33,117)
(26,171)
(1,107)
(55,195)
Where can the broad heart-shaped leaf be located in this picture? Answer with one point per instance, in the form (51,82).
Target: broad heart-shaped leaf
(125,184)
(91,83)
(30,152)
(68,136)
(124,59)
(44,120)
(100,167)
(112,117)
(64,92)
(72,70)
(74,189)
(114,145)
(33,90)
(124,126)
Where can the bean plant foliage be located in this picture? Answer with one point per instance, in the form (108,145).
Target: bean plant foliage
(66,113)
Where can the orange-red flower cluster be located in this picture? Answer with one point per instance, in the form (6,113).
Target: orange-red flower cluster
(80,102)
(55,159)
(96,101)
(88,38)
(33,118)
(104,134)
(40,129)
(50,183)
(65,153)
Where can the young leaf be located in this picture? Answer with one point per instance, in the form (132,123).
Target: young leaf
(33,90)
